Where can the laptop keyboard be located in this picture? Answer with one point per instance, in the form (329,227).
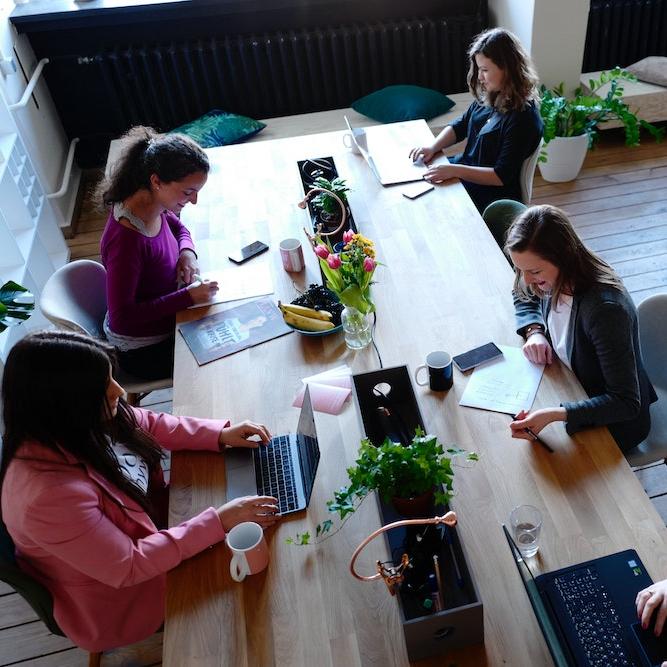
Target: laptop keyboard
(595,619)
(274,472)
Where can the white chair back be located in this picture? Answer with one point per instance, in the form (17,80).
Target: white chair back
(74,297)
(652,316)
(528,174)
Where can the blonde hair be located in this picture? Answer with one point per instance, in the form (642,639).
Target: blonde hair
(546,231)
(520,82)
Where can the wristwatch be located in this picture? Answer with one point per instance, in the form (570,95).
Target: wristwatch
(533,329)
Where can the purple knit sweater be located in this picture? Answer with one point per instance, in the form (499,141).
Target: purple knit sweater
(142,294)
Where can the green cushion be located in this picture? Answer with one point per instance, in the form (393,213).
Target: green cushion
(396,103)
(220,128)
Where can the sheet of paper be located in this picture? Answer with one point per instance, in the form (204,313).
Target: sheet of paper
(239,282)
(341,376)
(507,384)
(325,398)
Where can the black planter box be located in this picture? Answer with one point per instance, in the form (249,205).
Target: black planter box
(461,621)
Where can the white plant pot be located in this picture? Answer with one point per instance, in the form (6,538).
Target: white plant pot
(565,155)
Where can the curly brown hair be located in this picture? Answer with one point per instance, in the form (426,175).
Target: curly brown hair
(505,50)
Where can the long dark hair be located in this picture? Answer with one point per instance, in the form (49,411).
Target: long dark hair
(546,231)
(54,393)
(505,50)
(172,157)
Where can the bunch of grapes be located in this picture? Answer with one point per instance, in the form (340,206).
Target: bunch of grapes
(320,298)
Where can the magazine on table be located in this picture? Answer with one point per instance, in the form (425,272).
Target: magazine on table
(233,329)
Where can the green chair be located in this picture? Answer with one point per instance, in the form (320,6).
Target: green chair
(499,215)
(34,593)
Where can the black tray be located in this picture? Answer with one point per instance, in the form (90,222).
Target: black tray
(325,167)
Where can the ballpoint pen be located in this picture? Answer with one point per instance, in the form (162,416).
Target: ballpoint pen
(534,436)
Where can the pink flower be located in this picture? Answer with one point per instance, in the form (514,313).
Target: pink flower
(334,261)
(347,236)
(322,251)
(369,265)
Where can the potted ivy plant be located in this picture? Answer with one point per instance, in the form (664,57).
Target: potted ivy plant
(16,304)
(328,207)
(571,123)
(413,477)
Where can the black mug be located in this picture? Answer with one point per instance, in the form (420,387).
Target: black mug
(440,372)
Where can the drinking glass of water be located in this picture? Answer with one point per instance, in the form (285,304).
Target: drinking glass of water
(526,522)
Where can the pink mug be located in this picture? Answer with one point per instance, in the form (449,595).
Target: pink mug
(291,253)
(250,553)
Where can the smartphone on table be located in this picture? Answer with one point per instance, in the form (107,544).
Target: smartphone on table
(475,357)
(248,252)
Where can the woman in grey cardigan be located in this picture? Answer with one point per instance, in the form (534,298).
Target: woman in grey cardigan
(570,304)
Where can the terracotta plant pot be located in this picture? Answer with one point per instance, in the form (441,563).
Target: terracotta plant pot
(417,507)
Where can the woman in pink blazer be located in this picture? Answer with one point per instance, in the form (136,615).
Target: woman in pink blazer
(82,489)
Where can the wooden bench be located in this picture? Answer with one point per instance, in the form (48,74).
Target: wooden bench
(321,121)
(646,100)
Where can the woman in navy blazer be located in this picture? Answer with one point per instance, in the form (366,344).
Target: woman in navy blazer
(569,303)
(503,125)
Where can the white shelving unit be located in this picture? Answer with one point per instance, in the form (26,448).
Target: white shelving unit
(31,244)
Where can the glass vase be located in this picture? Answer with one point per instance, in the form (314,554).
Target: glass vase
(357,328)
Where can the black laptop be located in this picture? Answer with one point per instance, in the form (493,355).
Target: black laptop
(587,612)
(285,468)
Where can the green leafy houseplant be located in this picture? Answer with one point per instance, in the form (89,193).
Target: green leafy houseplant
(323,201)
(16,304)
(581,114)
(393,470)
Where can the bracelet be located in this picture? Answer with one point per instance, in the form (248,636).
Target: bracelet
(531,331)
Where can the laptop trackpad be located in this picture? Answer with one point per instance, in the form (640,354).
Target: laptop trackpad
(240,473)
(653,650)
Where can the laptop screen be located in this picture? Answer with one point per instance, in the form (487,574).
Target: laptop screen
(308,448)
(558,653)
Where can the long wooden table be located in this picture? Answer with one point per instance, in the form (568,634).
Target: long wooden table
(445,286)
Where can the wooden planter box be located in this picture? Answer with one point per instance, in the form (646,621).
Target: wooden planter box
(461,621)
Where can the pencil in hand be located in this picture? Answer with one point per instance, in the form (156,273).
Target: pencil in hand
(535,437)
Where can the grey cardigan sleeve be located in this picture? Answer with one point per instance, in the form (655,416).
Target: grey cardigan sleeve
(609,327)
(527,312)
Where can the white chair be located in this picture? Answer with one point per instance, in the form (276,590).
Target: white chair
(74,298)
(652,313)
(528,174)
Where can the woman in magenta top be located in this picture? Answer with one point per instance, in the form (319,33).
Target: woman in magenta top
(83,492)
(146,249)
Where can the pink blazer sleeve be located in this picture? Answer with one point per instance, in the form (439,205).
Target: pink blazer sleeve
(67,520)
(175,433)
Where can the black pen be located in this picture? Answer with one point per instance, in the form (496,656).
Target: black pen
(535,438)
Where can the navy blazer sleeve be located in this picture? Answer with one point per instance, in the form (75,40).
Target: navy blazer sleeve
(460,125)
(610,329)
(521,134)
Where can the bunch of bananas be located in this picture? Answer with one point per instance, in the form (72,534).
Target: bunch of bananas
(307,319)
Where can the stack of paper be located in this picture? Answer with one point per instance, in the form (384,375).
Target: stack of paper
(506,384)
(328,390)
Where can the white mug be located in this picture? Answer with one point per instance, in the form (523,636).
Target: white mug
(350,144)
(291,254)
(250,553)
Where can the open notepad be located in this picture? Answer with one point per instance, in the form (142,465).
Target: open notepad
(507,384)
(239,282)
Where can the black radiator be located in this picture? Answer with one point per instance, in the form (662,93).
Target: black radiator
(621,32)
(277,74)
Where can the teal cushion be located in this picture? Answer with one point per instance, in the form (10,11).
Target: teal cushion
(220,128)
(396,103)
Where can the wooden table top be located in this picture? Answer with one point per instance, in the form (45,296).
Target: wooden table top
(445,285)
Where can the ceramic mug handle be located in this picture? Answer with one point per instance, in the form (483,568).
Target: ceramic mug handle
(238,567)
(422,367)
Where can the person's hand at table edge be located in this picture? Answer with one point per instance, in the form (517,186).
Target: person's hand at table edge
(537,349)
(243,435)
(535,421)
(260,509)
(187,266)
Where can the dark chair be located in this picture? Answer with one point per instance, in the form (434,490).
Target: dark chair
(36,595)
(499,215)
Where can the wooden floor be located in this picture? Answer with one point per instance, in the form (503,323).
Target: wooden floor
(618,205)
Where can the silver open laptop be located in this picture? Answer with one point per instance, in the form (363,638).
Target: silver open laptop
(387,151)
(285,468)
